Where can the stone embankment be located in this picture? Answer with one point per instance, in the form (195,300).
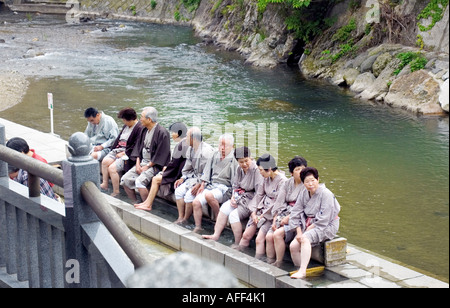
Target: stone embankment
(370,69)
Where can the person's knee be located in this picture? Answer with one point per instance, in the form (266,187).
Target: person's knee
(278,235)
(270,237)
(293,247)
(196,205)
(157,179)
(209,197)
(260,240)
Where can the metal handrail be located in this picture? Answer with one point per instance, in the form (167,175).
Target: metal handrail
(115,225)
(33,166)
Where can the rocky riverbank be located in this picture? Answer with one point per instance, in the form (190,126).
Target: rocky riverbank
(13,87)
(356,51)
(391,53)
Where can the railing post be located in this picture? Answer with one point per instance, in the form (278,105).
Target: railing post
(3,165)
(77,170)
(3,173)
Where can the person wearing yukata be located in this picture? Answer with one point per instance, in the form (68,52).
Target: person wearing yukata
(279,234)
(152,154)
(315,217)
(187,187)
(165,180)
(117,160)
(217,180)
(245,184)
(261,205)
(102,130)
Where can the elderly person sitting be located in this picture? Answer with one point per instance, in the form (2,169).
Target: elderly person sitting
(315,215)
(165,180)
(245,184)
(217,180)
(152,153)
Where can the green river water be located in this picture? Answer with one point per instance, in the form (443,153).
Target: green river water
(388,168)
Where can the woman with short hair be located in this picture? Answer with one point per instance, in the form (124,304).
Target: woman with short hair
(315,216)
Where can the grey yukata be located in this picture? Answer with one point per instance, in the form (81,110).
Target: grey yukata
(265,198)
(219,174)
(193,169)
(286,199)
(104,134)
(245,186)
(323,208)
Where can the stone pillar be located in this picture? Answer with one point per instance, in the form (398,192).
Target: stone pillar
(3,165)
(77,170)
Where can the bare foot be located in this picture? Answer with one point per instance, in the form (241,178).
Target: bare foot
(210,237)
(104,186)
(115,194)
(299,275)
(198,229)
(143,207)
(179,221)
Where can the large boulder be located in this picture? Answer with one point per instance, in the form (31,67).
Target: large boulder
(362,82)
(417,92)
(443,97)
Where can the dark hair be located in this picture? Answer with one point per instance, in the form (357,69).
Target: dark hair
(18,144)
(90,113)
(297,161)
(242,152)
(266,161)
(309,171)
(179,128)
(128,114)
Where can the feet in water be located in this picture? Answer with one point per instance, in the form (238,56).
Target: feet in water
(143,206)
(211,237)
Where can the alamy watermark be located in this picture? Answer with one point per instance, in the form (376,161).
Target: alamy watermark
(261,138)
(373,15)
(73,15)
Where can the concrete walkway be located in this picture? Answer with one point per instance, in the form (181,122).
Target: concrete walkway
(52,148)
(363,269)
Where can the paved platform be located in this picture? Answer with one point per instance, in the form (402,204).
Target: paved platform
(51,147)
(362,269)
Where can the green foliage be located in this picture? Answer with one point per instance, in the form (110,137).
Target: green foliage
(133,10)
(177,15)
(309,22)
(304,30)
(191,5)
(296,4)
(153,4)
(416,60)
(435,9)
(344,33)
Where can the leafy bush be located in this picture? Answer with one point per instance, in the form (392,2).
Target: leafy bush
(416,60)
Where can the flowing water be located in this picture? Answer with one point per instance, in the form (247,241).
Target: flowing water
(388,168)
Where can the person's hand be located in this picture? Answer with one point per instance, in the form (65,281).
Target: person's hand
(195,189)
(233,202)
(98,148)
(284,221)
(178,182)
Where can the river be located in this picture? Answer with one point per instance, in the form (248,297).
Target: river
(388,168)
